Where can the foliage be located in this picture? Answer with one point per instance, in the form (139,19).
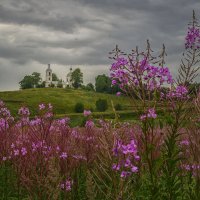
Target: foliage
(54,77)
(89,87)
(101,105)
(62,99)
(60,85)
(79,107)
(42,85)
(103,83)
(30,81)
(77,78)
(52,85)
(118,107)
(26,82)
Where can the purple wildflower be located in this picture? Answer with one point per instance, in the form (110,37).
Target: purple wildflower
(87,113)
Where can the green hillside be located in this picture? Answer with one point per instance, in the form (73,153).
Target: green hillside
(63,100)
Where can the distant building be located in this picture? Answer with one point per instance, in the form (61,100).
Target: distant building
(49,80)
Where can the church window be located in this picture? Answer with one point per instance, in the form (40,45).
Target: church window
(49,73)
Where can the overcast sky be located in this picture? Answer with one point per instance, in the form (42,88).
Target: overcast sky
(80,33)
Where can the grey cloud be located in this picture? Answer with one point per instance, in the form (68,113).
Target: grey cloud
(82,32)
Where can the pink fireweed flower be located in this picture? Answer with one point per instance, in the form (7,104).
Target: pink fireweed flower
(134,169)
(89,124)
(87,113)
(143,117)
(137,157)
(114,82)
(193,38)
(63,121)
(151,114)
(127,156)
(4,158)
(50,106)
(48,115)
(63,155)
(118,93)
(131,74)
(128,162)
(66,185)
(35,122)
(24,111)
(23,151)
(185,142)
(16,152)
(5,113)
(57,149)
(41,106)
(3,124)
(116,167)
(2,103)
(124,174)
(180,92)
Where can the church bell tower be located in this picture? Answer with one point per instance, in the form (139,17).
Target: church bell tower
(49,74)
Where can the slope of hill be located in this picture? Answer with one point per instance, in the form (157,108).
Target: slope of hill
(63,100)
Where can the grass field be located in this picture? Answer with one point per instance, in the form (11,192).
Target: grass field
(63,100)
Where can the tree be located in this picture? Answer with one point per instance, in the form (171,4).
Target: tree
(27,82)
(89,87)
(54,77)
(42,85)
(31,81)
(103,83)
(77,78)
(36,78)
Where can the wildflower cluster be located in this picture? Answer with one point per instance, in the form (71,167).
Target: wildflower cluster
(87,113)
(126,72)
(66,185)
(180,92)
(127,158)
(31,144)
(151,114)
(193,38)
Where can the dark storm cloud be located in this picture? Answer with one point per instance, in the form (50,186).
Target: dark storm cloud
(82,32)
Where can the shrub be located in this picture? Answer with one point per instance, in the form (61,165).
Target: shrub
(52,85)
(118,107)
(60,85)
(101,105)
(79,108)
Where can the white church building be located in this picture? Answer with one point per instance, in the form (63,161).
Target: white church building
(49,79)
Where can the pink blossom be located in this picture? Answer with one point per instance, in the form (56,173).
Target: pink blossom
(87,113)
(118,93)
(41,106)
(16,152)
(63,155)
(23,151)
(134,169)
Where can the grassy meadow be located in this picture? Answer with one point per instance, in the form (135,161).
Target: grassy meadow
(63,100)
